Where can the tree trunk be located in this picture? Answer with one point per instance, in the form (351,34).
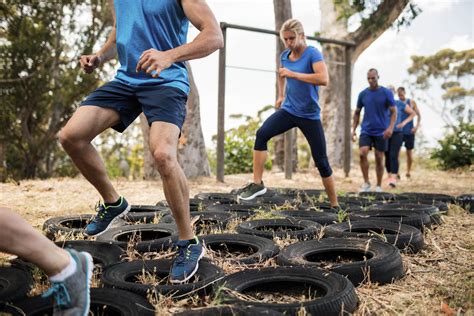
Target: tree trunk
(192,153)
(332,97)
(283,12)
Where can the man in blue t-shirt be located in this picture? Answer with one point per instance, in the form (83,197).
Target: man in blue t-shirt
(150,40)
(377,126)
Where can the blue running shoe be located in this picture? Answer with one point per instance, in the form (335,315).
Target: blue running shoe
(106,216)
(72,296)
(187,262)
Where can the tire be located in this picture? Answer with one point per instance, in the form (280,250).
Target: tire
(339,293)
(261,249)
(194,204)
(293,229)
(9,309)
(220,198)
(104,301)
(73,224)
(148,208)
(323,218)
(103,253)
(378,196)
(354,201)
(148,232)
(431,210)
(466,201)
(144,217)
(121,275)
(418,219)
(15,282)
(240,211)
(272,201)
(230,310)
(429,196)
(326,207)
(374,259)
(216,220)
(404,237)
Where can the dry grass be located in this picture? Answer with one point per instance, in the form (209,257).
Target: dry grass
(439,280)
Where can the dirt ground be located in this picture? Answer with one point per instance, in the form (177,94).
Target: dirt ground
(439,280)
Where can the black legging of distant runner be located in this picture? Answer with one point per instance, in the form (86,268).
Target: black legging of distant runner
(281,121)
(391,156)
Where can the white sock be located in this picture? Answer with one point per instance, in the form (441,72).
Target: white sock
(66,272)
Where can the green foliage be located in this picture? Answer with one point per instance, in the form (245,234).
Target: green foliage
(239,142)
(40,81)
(457,148)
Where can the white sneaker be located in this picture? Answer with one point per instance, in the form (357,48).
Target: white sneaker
(378,189)
(365,187)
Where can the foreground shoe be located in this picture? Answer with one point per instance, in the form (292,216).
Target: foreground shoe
(71,296)
(252,190)
(365,187)
(392,182)
(187,261)
(106,216)
(378,189)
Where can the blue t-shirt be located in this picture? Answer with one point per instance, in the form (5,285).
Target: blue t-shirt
(301,98)
(376,114)
(407,128)
(400,114)
(145,24)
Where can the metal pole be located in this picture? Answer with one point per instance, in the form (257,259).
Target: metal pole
(288,154)
(221,109)
(347,113)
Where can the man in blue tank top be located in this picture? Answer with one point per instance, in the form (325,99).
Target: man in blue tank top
(150,40)
(377,127)
(410,129)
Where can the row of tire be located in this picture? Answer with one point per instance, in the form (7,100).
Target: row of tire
(369,258)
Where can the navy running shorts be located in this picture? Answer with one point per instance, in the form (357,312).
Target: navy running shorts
(378,142)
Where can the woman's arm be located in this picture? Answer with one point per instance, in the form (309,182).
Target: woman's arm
(319,76)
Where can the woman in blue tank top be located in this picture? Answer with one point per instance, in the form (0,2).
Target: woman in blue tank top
(302,71)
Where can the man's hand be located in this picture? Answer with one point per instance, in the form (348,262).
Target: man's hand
(285,73)
(89,63)
(399,126)
(387,133)
(278,102)
(354,136)
(153,62)
(413,130)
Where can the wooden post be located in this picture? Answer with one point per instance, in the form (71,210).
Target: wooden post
(347,114)
(288,154)
(221,109)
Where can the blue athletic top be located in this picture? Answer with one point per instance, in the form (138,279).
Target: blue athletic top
(407,128)
(400,114)
(301,98)
(376,114)
(145,24)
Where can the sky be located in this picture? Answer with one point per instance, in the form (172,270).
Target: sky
(442,24)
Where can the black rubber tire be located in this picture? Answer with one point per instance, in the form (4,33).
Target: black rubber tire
(103,253)
(466,201)
(218,220)
(418,219)
(354,201)
(152,232)
(148,209)
(72,224)
(374,259)
(323,218)
(241,211)
(15,282)
(104,301)
(431,210)
(217,198)
(339,293)
(121,276)
(262,248)
(194,204)
(378,196)
(404,237)
(271,201)
(327,208)
(144,217)
(429,196)
(304,229)
(230,310)
(8,309)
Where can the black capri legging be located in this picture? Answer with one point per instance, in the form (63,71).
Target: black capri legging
(281,121)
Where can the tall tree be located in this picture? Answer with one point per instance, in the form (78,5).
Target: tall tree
(41,83)
(192,154)
(376,17)
(283,12)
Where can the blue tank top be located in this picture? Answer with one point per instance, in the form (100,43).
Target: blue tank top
(400,111)
(407,128)
(301,98)
(145,24)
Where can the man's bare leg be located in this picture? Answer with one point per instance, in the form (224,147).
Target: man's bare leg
(76,137)
(379,155)
(164,148)
(259,158)
(409,161)
(364,162)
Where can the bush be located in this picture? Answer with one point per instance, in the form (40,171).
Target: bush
(457,148)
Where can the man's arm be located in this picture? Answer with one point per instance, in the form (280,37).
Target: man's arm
(393,118)
(355,123)
(418,116)
(208,40)
(320,76)
(107,52)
